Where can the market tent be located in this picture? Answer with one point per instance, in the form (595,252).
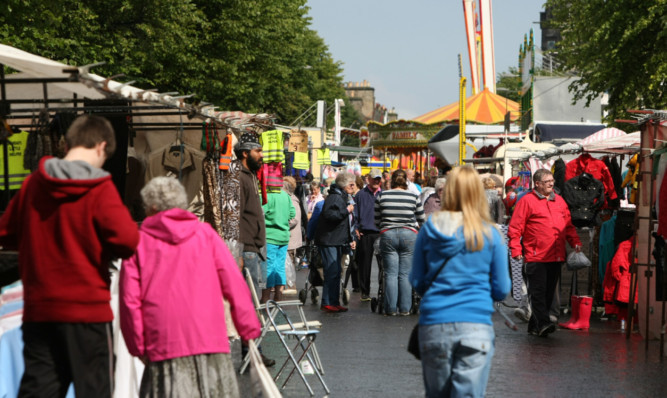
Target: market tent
(604,134)
(626,143)
(484,107)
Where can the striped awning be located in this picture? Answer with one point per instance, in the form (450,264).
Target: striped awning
(484,107)
(602,135)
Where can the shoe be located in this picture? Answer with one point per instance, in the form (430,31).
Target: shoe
(522,313)
(389,314)
(340,308)
(268,362)
(533,332)
(546,330)
(553,318)
(404,313)
(356,290)
(329,308)
(365,297)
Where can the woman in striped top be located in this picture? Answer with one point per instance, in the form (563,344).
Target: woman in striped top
(398,214)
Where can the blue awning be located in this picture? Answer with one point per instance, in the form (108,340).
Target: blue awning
(548,132)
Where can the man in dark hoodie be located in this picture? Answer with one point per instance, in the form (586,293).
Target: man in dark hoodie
(68,222)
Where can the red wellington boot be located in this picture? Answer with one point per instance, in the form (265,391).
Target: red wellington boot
(575,313)
(585,307)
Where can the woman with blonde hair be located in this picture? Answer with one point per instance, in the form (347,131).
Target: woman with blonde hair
(459,269)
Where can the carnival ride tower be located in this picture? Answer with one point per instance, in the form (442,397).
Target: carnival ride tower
(479,33)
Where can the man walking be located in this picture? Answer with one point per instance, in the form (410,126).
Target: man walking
(67,223)
(252,227)
(367,232)
(543,219)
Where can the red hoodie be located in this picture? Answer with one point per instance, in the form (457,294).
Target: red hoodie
(66,231)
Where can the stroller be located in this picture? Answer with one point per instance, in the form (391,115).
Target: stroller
(377,303)
(315,275)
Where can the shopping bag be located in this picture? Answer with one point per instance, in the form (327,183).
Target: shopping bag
(577,261)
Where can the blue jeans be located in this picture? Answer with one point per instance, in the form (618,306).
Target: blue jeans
(456,358)
(331,257)
(257,268)
(275,265)
(397,246)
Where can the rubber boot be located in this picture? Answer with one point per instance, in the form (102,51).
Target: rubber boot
(585,307)
(575,313)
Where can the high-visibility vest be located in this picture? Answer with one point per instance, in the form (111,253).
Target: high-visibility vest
(301,161)
(273,147)
(324,156)
(226,152)
(15,149)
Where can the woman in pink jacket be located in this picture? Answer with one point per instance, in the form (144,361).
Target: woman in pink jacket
(171,300)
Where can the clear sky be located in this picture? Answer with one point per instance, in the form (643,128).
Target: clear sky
(408,49)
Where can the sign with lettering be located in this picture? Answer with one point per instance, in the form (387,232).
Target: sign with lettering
(298,141)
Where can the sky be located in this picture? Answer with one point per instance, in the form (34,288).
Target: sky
(408,49)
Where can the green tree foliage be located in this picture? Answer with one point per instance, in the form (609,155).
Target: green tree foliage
(253,55)
(618,47)
(509,84)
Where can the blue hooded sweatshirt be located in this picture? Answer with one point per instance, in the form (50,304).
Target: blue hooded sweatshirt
(466,287)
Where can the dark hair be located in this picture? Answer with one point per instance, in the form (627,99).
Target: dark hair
(537,177)
(88,130)
(399,179)
(239,153)
(359,182)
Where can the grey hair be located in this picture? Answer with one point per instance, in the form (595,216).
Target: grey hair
(345,178)
(537,177)
(440,183)
(164,193)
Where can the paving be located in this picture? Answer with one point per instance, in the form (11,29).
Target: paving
(364,355)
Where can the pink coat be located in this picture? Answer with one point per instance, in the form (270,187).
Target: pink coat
(171,290)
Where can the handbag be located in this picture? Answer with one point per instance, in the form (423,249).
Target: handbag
(413,342)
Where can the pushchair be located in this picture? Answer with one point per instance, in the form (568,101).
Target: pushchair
(315,275)
(377,303)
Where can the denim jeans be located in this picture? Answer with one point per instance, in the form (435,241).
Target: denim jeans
(397,246)
(275,265)
(331,257)
(257,268)
(456,358)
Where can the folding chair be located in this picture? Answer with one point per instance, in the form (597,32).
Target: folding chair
(305,340)
(266,325)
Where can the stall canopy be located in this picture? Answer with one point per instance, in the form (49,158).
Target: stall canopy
(484,107)
(550,131)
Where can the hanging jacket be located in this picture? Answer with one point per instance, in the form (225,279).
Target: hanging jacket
(226,152)
(171,290)
(631,178)
(619,268)
(16,145)
(596,168)
(585,196)
(558,170)
(273,147)
(539,228)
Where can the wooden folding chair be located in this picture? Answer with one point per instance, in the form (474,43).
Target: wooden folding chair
(305,338)
(267,326)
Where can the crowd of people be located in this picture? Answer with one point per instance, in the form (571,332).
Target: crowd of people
(439,239)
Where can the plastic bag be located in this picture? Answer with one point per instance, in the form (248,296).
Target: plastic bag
(290,274)
(577,261)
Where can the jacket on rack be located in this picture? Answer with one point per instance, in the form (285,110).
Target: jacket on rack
(617,278)
(585,196)
(171,290)
(64,278)
(585,163)
(631,178)
(539,228)
(558,170)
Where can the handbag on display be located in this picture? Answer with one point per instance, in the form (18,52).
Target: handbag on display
(413,342)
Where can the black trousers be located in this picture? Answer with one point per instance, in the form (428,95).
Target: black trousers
(365,260)
(57,354)
(542,279)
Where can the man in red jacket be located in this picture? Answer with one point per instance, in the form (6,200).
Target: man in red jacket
(68,222)
(543,220)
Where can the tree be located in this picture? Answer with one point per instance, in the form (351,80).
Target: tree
(509,84)
(253,56)
(618,47)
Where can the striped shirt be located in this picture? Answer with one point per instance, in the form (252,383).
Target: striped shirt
(398,208)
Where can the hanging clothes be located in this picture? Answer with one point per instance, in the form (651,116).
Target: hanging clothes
(586,163)
(301,161)
(606,246)
(584,196)
(273,173)
(617,288)
(558,170)
(273,146)
(212,195)
(168,163)
(226,152)
(631,178)
(615,170)
(231,201)
(17,173)
(324,156)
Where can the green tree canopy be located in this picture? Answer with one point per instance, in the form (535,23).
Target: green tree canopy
(253,56)
(618,47)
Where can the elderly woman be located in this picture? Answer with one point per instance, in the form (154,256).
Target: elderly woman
(432,202)
(314,198)
(295,234)
(171,300)
(333,236)
(496,205)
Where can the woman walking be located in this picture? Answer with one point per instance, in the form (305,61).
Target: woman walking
(459,269)
(398,214)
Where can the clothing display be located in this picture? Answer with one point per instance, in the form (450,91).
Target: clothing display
(558,170)
(180,161)
(586,163)
(17,173)
(584,196)
(273,147)
(607,248)
(630,179)
(212,210)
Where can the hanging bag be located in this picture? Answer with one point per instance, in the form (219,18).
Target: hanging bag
(413,342)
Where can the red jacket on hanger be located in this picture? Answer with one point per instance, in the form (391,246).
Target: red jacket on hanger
(617,278)
(596,168)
